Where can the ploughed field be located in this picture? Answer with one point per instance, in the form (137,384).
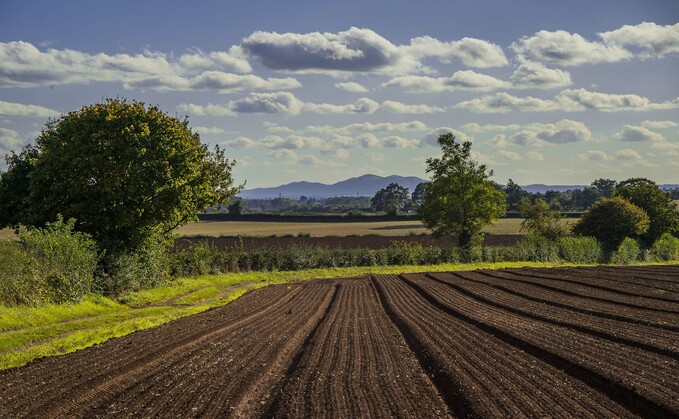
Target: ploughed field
(560,342)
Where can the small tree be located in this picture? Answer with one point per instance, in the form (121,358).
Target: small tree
(606,187)
(128,174)
(611,221)
(514,194)
(460,199)
(540,219)
(418,194)
(236,206)
(390,199)
(662,212)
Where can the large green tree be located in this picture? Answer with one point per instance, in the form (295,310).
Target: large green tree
(661,211)
(390,199)
(126,172)
(460,199)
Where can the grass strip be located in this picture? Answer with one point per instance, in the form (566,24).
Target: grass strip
(28,333)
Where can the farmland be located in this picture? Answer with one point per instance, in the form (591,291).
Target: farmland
(599,341)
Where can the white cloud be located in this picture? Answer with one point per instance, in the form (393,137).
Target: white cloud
(498,141)
(24,65)
(368,140)
(398,107)
(375,156)
(466,80)
(240,142)
(564,131)
(209,130)
(470,51)
(569,100)
(594,155)
(504,102)
(278,102)
(628,154)
(475,127)
(395,141)
(351,87)
(632,133)
(509,155)
(655,40)
(567,49)
(367,127)
(431,139)
(535,156)
(363,105)
(658,124)
(536,75)
(9,140)
(18,109)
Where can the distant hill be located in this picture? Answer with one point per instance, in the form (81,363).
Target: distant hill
(366,185)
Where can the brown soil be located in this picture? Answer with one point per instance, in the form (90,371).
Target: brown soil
(353,242)
(518,342)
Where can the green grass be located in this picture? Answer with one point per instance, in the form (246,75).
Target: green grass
(27,333)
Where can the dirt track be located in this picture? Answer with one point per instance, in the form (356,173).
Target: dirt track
(517,342)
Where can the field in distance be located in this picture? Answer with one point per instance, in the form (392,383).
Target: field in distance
(383,228)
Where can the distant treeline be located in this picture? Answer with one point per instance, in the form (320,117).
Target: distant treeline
(333,218)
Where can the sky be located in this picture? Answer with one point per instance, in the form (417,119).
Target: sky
(554,92)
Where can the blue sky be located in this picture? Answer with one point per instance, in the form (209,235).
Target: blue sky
(548,92)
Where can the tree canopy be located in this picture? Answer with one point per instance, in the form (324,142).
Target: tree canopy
(460,199)
(126,172)
(611,221)
(662,212)
(390,199)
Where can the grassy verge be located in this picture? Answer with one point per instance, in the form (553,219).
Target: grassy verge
(28,333)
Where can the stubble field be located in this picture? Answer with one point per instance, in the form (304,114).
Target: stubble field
(559,342)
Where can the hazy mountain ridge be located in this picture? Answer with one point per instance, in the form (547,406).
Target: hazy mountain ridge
(368,185)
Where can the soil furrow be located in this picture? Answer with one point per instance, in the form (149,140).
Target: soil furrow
(580,293)
(618,372)
(607,287)
(357,364)
(615,275)
(463,362)
(624,334)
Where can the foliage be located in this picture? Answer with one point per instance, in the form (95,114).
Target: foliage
(51,264)
(460,199)
(540,219)
(628,252)
(236,206)
(666,248)
(125,171)
(390,199)
(580,250)
(612,220)
(536,248)
(605,187)
(662,212)
(514,195)
(418,194)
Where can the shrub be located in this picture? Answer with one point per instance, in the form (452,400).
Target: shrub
(64,259)
(18,283)
(611,220)
(580,250)
(146,267)
(666,248)
(537,249)
(540,219)
(628,252)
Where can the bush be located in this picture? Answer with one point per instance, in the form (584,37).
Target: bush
(628,252)
(580,250)
(611,220)
(146,267)
(64,259)
(536,248)
(666,248)
(18,283)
